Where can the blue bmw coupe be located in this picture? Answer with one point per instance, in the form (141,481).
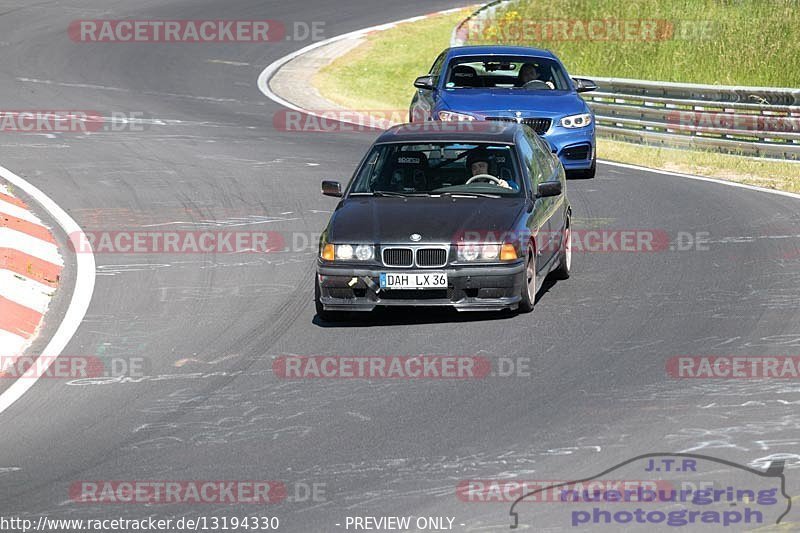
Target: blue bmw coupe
(510,83)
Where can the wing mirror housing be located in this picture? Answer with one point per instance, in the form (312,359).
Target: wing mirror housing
(582,85)
(425,82)
(548,188)
(332,188)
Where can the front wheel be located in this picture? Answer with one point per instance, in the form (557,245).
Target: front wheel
(589,173)
(565,255)
(529,288)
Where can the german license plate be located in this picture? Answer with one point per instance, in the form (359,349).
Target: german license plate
(413,280)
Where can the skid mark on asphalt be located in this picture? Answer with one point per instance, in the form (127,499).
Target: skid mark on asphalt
(250,220)
(149,93)
(273,260)
(190,293)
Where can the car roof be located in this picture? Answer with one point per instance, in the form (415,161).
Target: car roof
(437,131)
(493,49)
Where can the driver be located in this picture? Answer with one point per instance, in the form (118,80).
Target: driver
(478,164)
(528,72)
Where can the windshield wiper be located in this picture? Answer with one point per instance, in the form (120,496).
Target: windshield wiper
(394,194)
(469,194)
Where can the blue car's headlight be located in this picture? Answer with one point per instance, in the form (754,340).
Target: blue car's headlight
(448,116)
(577,121)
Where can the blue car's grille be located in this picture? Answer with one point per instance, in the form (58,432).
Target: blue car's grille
(539,125)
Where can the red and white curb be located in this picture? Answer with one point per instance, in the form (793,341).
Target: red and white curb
(30,269)
(39,266)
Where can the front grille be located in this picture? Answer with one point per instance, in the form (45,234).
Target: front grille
(399,257)
(423,256)
(431,257)
(539,125)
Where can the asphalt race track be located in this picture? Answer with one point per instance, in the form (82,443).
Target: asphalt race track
(210,325)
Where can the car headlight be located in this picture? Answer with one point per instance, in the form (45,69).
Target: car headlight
(449,116)
(577,121)
(347,252)
(364,252)
(486,252)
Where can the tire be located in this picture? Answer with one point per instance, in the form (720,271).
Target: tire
(528,299)
(590,172)
(565,255)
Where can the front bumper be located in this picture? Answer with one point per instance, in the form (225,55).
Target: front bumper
(470,288)
(575,148)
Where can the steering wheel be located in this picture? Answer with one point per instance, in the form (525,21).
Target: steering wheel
(484,177)
(537,84)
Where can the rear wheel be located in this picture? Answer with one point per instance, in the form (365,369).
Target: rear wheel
(565,255)
(529,288)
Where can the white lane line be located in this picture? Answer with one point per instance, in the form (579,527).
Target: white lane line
(16,240)
(272,68)
(25,292)
(78,305)
(701,178)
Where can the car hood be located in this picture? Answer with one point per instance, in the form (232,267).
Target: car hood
(504,102)
(437,220)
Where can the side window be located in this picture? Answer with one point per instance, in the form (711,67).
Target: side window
(546,162)
(528,153)
(436,68)
(539,171)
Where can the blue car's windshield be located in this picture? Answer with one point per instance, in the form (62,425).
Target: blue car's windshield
(527,73)
(439,169)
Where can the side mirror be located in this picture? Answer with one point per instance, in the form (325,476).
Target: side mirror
(332,188)
(582,85)
(548,188)
(425,82)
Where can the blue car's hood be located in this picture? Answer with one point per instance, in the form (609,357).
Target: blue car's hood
(504,102)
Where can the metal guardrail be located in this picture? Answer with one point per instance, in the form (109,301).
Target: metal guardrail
(754,121)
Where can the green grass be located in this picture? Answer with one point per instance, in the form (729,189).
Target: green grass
(728,42)
(780,175)
(379,75)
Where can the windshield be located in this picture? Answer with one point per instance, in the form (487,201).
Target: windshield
(439,169)
(511,72)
